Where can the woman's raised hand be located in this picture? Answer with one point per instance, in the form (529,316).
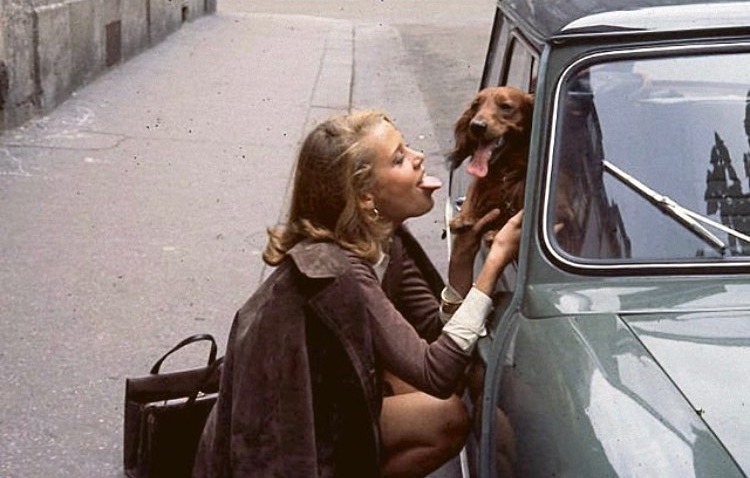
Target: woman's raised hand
(507,240)
(504,249)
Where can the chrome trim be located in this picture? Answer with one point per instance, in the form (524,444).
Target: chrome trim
(625,54)
(464,463)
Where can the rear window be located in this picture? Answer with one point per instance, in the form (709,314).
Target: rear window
(651,160)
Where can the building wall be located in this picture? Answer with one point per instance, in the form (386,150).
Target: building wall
(49,48)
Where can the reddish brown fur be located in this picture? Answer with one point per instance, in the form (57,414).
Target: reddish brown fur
(506,112)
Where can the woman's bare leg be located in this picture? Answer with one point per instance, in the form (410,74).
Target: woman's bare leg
(419,432)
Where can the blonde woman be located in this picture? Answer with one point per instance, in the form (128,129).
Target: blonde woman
(345,361)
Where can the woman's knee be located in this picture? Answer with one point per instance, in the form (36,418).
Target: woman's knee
(455,424)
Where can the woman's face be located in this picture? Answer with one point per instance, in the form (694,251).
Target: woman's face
(402,190)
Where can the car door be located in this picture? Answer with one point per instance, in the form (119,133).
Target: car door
(511,61)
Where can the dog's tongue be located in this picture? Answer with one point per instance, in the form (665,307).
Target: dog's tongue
(480,160)
(430,182)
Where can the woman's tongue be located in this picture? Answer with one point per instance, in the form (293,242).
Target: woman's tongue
(430,183)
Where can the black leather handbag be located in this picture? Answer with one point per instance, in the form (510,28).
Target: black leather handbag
(165,414)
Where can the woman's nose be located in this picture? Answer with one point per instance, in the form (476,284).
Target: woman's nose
(418,159)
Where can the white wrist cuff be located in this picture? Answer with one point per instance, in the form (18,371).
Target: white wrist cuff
(467,324)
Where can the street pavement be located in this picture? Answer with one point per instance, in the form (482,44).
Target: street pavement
(134,214)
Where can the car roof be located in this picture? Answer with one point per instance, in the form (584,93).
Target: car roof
(547,20)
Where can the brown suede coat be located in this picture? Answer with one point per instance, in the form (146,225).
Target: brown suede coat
(300,393)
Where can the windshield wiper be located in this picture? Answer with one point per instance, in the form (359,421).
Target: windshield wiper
(690,219)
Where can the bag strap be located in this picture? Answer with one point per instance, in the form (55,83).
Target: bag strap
(187,341)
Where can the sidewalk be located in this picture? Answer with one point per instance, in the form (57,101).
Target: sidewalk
(135,213)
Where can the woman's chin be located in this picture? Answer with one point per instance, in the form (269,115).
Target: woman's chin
(427,208)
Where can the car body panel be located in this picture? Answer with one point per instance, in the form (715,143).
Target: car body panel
(707,356)
(585,398)
(637,295)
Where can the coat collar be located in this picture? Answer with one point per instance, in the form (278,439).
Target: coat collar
(319,260)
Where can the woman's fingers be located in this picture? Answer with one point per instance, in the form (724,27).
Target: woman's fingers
(517,219)
(467,243)
(512,228)
(509,236)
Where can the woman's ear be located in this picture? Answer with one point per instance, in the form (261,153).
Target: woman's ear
(367,201)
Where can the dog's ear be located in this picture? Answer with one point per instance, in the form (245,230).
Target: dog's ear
(528,108)
(529,103)
(461,142)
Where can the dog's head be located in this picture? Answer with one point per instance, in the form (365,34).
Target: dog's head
(497,120)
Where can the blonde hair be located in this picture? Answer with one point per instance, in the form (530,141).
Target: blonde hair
(333,171)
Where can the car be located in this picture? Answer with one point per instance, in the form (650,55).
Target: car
(620,342)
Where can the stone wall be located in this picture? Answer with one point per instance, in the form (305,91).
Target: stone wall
(49,48)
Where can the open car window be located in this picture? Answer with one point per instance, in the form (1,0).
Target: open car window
(677,125)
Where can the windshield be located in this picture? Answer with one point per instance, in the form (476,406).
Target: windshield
(651,160)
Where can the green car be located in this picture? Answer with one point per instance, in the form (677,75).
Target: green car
(621,342)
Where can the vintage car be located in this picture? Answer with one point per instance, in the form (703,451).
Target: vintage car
(621,342)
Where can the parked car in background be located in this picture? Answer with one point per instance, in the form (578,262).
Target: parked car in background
(621,342)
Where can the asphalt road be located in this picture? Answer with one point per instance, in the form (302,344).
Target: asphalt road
(134,214)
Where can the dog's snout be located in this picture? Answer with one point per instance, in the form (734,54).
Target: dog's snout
(478,126)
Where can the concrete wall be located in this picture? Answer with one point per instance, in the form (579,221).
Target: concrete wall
(49,48)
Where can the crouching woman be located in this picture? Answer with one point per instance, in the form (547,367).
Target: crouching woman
(344,362)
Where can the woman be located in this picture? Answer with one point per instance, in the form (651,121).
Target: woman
(308,356)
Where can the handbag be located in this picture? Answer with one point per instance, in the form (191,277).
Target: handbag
(165,414)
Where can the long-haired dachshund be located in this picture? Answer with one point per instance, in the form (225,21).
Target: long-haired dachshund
(494,131)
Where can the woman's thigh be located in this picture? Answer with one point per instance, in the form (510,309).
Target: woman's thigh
(419,419)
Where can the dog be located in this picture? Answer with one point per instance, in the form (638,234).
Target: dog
(495,132)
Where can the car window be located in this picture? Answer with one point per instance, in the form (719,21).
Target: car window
(493,64)
(510,59)
(651,160)
(522,68)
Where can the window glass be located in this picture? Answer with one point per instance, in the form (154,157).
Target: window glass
(522,66)
(495,55)
(651,160)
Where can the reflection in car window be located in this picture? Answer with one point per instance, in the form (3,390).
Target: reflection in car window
(678,125)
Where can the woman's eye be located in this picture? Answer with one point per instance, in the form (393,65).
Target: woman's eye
(399,159)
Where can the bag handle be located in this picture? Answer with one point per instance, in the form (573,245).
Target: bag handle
(184,342)
(212,369)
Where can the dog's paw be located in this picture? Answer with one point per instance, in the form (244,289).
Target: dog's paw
(460,223)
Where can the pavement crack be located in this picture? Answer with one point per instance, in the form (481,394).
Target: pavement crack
(11,165)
